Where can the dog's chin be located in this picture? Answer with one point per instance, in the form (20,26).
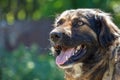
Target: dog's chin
(66,66)
(67,57)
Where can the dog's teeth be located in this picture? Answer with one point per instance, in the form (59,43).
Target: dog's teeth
(73,53)
(79,47)
(76,51)
(66,58)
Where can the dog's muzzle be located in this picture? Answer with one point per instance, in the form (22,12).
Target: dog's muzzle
(56,36)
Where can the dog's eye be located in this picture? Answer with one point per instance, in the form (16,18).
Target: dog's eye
(80,23)
(60,22)
(77,23)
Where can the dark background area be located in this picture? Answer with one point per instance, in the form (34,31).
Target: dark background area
(24,35)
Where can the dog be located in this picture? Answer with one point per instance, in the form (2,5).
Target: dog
(86,44)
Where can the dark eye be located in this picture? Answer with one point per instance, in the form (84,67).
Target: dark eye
(60,22)
(77,23)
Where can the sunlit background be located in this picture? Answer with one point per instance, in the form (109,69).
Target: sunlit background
(24,35)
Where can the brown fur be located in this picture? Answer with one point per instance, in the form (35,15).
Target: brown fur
(102,37)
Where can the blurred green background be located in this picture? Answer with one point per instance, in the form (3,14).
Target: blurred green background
(24,34)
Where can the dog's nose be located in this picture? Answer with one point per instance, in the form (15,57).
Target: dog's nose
(56,36)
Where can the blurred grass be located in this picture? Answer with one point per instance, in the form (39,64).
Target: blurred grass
(28,64)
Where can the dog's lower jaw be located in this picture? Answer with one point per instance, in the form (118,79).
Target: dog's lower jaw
(85,71)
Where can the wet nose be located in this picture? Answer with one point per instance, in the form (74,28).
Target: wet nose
(56,36)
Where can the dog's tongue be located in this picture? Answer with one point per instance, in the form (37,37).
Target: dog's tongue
(64,55)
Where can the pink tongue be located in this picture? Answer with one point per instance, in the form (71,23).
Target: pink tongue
(62,58)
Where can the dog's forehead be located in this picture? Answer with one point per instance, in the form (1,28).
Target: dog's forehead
(69,14)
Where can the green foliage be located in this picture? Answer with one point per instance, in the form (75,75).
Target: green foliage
(24,64)
(12,10)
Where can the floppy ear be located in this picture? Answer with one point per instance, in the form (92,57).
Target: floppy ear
(108,30)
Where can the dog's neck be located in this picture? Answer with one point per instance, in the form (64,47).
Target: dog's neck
(107,68)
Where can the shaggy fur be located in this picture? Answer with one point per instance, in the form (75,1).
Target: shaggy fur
(95,31)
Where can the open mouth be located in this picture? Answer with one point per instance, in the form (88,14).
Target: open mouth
(68,56)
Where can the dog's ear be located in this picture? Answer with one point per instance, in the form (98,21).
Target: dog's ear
(108,30)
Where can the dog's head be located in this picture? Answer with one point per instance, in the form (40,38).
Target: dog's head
(78,34)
